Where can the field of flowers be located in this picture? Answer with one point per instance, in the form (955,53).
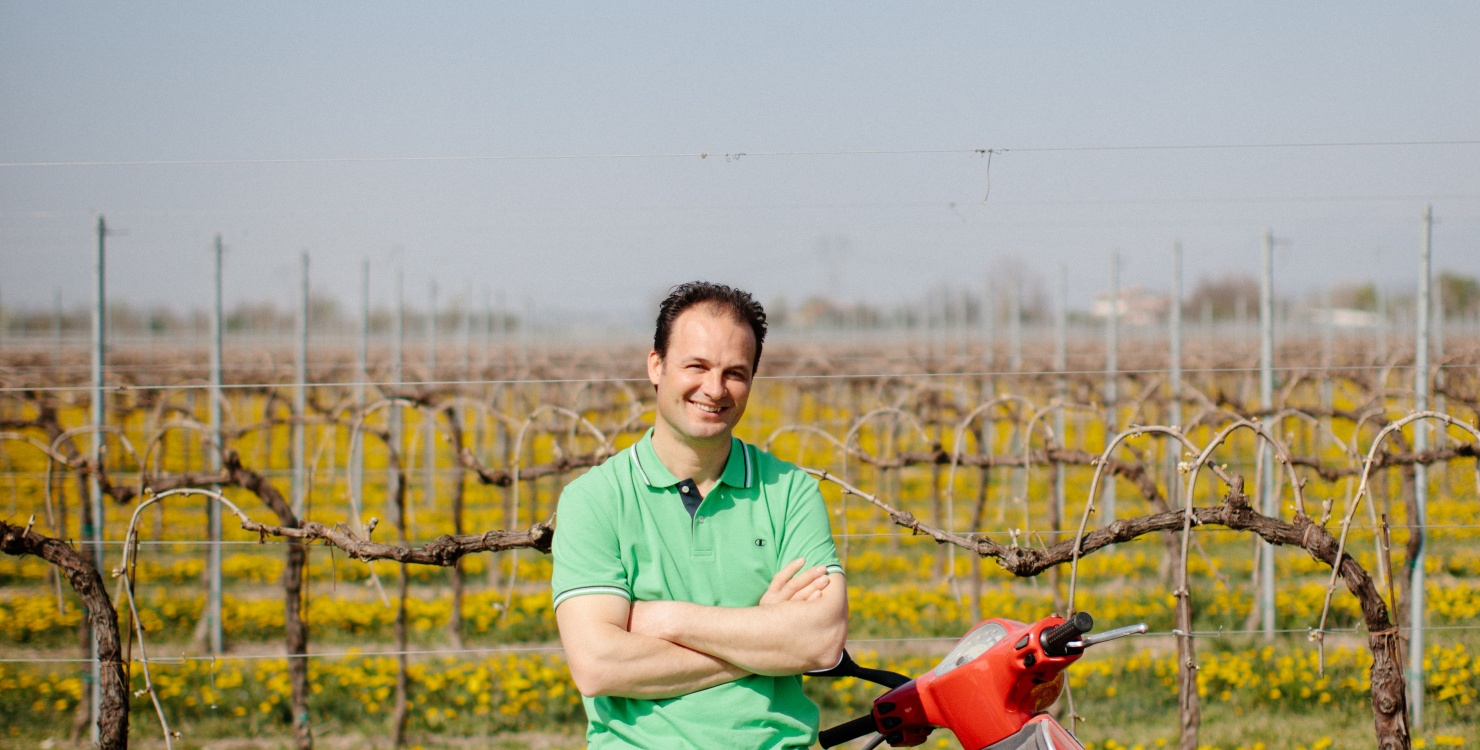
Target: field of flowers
(477,695)
(909,597)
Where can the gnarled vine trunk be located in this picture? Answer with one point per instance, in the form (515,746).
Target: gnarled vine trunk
(103,618)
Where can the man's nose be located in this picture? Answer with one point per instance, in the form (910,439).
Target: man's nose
(714,384)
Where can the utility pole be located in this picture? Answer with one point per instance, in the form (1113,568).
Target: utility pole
(1420,475)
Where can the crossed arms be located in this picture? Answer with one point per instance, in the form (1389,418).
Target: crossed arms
(664,649)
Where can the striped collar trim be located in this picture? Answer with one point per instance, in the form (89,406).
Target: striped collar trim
(637,462)
(739,467)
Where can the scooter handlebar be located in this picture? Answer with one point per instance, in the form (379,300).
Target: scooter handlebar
(846,731)
(846,667)
(1056,640)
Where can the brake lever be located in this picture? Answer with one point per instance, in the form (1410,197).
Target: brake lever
(1109,635)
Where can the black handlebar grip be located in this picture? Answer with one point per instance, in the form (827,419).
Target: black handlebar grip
(883,677)
(846,667)
(851,730)
(1056,640)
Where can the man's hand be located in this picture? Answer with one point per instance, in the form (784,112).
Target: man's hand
(789,586)
(799,625)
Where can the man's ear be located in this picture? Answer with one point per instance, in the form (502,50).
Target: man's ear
(655,366)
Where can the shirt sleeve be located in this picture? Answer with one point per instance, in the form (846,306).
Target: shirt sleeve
(585,553)
(808,527)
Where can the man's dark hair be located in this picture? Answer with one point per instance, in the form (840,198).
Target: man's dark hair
(733,302)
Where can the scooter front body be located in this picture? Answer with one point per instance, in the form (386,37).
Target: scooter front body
(992,690)
(995,682)
(1040,733)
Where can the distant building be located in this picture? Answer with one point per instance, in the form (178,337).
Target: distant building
(1346,317)
(1135,306)
(822,312)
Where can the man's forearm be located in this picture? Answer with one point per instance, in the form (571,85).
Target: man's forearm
(771,639)
(637,666)
(607,660)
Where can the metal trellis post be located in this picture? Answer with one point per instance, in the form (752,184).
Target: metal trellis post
(1061,365)
(213,460)
(394,417)
(1420,475)
(1112,369)
(300,401)
(99,418)
(1173,448)
(357,444)
(429,427)
(1015,326)
(1269,504)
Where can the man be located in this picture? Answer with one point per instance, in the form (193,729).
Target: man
(695,577)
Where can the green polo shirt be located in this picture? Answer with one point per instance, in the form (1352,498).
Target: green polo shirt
(622,529)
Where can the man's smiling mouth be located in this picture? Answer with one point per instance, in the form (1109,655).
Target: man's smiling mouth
(708,408)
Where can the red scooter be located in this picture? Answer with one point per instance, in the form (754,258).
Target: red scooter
(991,690)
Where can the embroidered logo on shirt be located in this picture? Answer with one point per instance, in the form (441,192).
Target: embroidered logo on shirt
(760,542)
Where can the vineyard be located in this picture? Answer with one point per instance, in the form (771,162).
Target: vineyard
(384,576)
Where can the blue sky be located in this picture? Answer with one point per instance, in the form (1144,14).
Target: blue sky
(116,82)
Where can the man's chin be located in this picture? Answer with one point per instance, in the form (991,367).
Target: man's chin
(708,432)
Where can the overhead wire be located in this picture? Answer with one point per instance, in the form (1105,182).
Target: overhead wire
(552,648)
(730,156)
(903,534)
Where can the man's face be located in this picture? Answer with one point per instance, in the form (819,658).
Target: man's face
(705,379)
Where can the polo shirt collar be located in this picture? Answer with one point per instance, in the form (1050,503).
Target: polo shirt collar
(739,471)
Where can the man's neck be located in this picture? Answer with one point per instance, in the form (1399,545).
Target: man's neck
(702,462)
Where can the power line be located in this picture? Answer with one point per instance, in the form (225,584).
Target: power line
(627,208)
(1234,146)
(727,156)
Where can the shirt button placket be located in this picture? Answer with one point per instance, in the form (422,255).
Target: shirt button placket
(703,538)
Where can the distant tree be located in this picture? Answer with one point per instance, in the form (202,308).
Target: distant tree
(821,311)
(1012,274)
(1461,294)
(258,317)
(1355,296)
(323,309)
(1225,294)
(777,312)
